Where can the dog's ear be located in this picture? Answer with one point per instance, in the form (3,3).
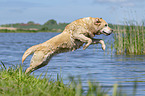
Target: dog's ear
(97,21)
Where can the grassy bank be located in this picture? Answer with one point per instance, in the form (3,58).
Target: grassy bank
(17,31)
(13,82)
(49,26)
(28,31)
(130,38)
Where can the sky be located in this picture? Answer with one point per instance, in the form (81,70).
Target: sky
(66,11)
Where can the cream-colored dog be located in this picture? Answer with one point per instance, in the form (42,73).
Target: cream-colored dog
(73,37)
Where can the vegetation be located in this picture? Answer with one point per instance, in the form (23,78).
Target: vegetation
(16,31)
(51,22)
(130,38)
(49,26)
(13,82)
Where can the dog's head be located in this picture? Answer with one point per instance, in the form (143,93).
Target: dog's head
(102,27)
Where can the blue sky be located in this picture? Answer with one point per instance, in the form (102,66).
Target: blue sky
(39,11)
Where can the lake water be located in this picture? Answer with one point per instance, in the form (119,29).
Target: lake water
(90,64)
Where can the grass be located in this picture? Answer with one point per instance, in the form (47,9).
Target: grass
(41,28)
(130,39)
(13,82)
(17,31)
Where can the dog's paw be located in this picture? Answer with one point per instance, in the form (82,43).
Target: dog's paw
(103,44)
(84,47)
(104,47)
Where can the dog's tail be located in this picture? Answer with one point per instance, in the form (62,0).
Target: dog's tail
(29,52)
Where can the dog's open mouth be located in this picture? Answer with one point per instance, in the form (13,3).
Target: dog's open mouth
(106,33)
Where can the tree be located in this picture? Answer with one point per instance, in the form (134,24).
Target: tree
(44,28)
(51,22)
(30,22)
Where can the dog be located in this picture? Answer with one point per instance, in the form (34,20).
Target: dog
(73,37)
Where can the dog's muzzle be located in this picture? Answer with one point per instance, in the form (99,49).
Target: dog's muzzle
(108,33)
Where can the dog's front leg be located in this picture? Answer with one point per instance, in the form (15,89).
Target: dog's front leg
(96,41)
(84,39)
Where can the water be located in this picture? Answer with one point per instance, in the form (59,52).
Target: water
(91,64)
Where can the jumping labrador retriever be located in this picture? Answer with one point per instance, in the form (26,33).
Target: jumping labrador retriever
(73,37)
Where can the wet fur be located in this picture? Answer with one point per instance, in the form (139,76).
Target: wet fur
(73,37)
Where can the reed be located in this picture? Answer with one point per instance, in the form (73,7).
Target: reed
(13,82)
(130,38)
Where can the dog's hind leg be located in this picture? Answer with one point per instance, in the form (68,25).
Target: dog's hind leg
(39,59)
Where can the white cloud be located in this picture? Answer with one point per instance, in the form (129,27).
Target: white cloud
(122,3)
(112,1)
(18,4)
(128,4)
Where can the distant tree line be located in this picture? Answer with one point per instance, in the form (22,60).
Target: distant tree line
(50,25)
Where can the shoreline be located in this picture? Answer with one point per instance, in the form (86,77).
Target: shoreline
(15,81)
(24,30)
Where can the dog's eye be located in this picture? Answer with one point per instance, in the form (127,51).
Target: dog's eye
(105,25)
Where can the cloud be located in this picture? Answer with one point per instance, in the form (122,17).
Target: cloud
(17,7)
(112,1)
(122,3)
(128,4)
(18,4)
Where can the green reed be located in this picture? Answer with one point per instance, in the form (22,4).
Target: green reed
(14,82)
(130,38)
